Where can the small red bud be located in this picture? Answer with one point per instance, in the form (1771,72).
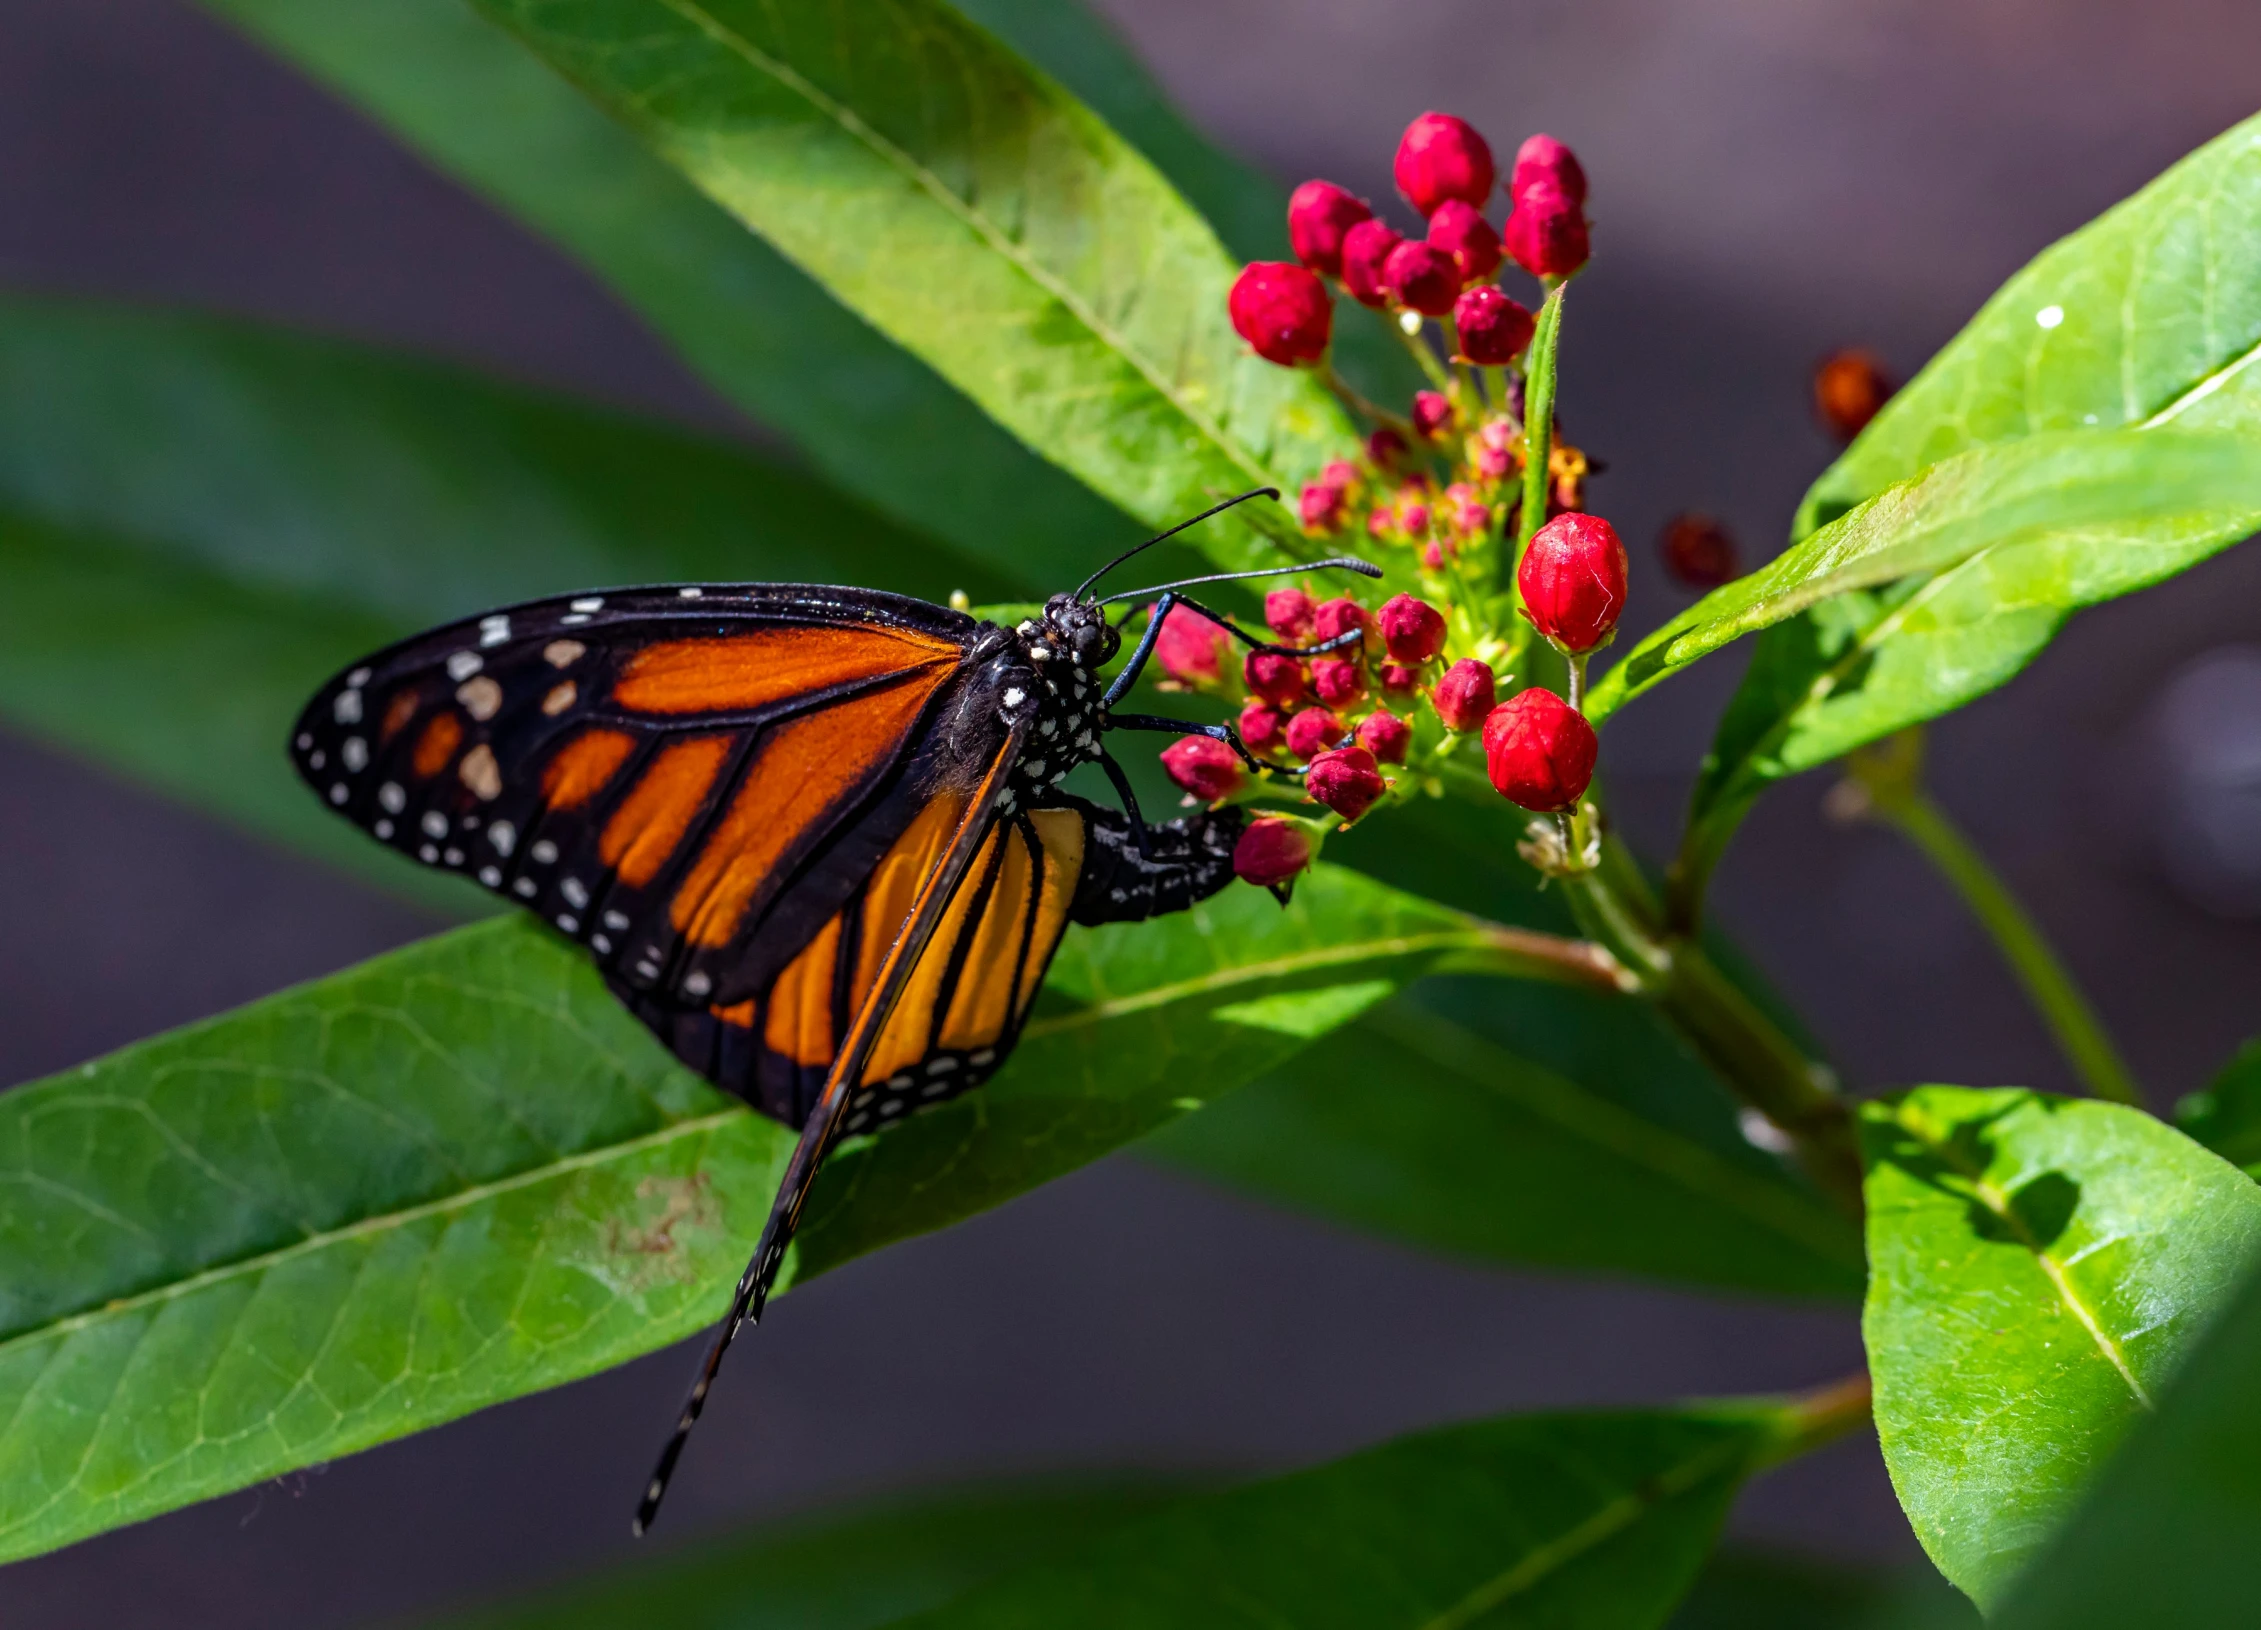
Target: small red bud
(1422,277)
(1203,766)
(1461,231)
(1698,551)
(1338,681)
(1412,629)
(1386,736)
(1573,580)
(1849,389)
(1287,613)
(1540,751)
(1414,517)
(1493,329)
(1260,725)
(1547,233)
(1282,311)
(1191,649)
(1271,852)
(1312,732)
(1432,414)
(1338,617)
(1366,250)
(1319,214)
(1399,682)
(1322,506)
(1275,676)
(1340,472)
(1465,694)
(1346,781)
(1442,157)
(1385,447)
(1543,161)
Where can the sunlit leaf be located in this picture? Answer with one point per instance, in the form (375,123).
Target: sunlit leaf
(2039,1267)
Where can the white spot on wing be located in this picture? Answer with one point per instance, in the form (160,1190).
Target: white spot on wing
(434,823)
(563,653)
(464,664)
(575,895)
(502,835)
(481,697)
(491,876)
(354,755)
(347,708)
(543,851)
(593,602)
(393,799)
(358,678)
(690,594)
(494,630)
(696,985)
(480,773)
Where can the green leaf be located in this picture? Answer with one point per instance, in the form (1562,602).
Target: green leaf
(202,520)
(462,1172)
(1936,592)
(2165,1539)
(2147,316)
(1758,1590)
(853,1571)
(2226,1116)
(2038,1268)
(872,419)
(970,209)
(1566,1521)
(1528,1125)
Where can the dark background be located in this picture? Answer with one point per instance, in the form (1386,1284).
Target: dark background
(1771,179)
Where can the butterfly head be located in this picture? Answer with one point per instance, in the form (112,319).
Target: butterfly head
(1078,631)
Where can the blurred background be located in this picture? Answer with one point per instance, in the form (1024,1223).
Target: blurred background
(1771,180)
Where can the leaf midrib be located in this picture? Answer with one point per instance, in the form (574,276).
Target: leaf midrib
(1603,1525)
(380,1223)
(853,125)
(1997,1202)
(1249,973)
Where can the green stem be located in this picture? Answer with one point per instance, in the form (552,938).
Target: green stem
(1538,418)
(1357,402)
(1820,1417)
(2070,1019)
(1423,354)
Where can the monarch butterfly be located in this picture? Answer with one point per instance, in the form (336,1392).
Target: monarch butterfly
(814,838)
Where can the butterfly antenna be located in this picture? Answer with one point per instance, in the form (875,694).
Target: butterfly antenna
(1346,563)
(1214,509)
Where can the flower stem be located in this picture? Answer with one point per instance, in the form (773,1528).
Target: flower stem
(1357,402)
(2079,1034)
(1423,355)
(1538,418)
(1812,1420)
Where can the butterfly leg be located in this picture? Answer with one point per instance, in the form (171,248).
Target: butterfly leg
(1171,599)
(1216,732)
(1123,791)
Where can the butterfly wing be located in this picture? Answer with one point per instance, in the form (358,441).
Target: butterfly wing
(689,783)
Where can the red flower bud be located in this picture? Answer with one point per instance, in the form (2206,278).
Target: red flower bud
(1312,732)
(1203,766)
(1461,231)
(1338,617)
(1338,681)
(1346,781)
(1413,629)
(1547,233)
(1282,311)
(1423,277)
(1271,852)
(1414,517)
(1442,157)
(1386,736)
(1340,472)
(1849,388)
(1322,506)
(1260,725)
(1543,161)
(1365,251)
(1287,613)
(1465,694)
(1573,580)
(1275,676)
(1698,551)
(1385,447)
(1540,751)
(1493,329)
(1191,649)
(1399,682)
(1319,214)
(1432,414)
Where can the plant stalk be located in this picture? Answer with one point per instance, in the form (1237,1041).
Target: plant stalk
(1538,418)
(1352,398)
(2079,1034)
(1815,1419)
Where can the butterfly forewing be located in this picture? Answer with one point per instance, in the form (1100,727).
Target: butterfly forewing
(689,783)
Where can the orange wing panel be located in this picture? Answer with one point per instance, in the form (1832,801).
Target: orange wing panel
(982,1005)
(652,819)
(742,671)
(1061,831)
(583,766)
(800,1003)
(802,769)
(437,745)
(910,1030)
(894,887)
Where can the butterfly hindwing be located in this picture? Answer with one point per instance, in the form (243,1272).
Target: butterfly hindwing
(687,783)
